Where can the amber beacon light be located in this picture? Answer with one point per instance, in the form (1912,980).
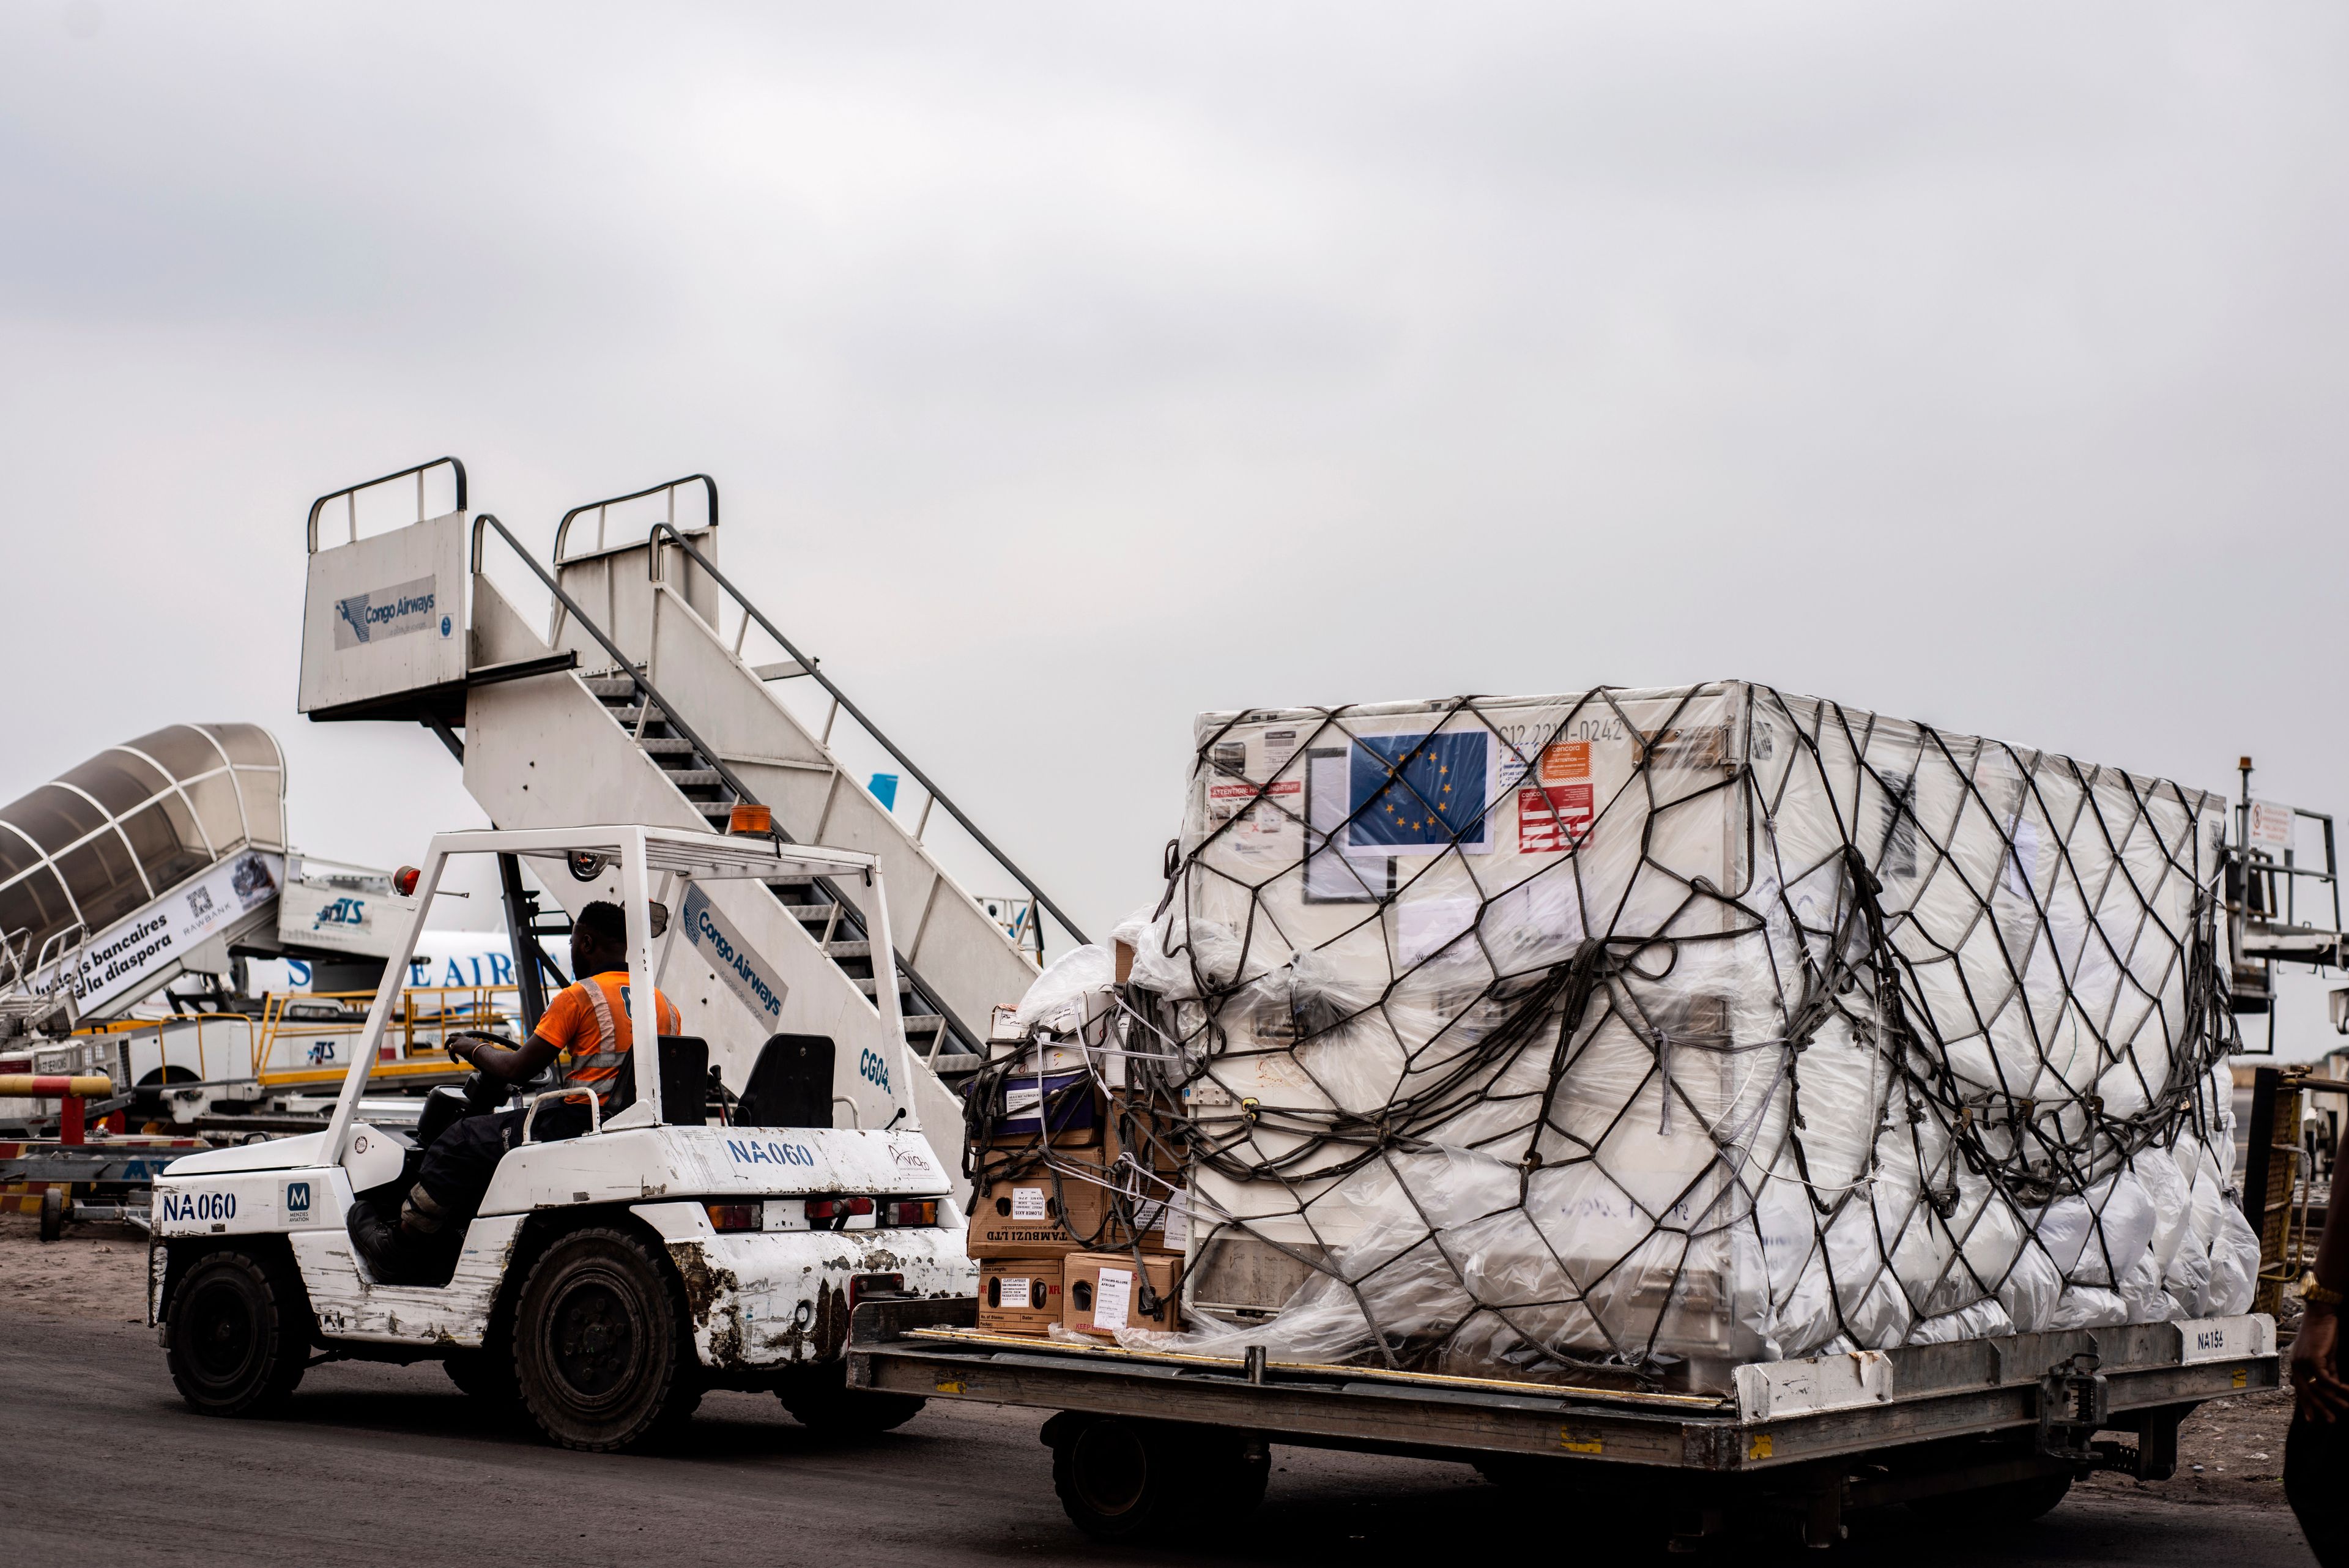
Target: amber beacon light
(748,818)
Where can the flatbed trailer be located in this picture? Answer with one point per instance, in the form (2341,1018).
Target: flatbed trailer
(1999,1427)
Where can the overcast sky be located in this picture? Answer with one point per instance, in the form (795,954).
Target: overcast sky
(1072,369)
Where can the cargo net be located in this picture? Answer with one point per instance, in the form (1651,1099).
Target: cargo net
(1625,1038)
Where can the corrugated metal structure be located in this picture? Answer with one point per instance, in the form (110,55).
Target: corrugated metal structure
(94,850)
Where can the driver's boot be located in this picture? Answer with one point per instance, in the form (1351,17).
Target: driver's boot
(380,1246)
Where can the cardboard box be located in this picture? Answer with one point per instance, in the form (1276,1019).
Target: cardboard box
(1020,1217)
(1102,1291)
(1067,1100)
(1133,1125)
(1019,1296)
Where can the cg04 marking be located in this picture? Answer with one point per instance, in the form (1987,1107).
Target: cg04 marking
(873,1069)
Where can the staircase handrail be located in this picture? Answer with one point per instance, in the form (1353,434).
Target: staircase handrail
(562,529)
(808,665)
(351,492)
(650,693)
(627,667)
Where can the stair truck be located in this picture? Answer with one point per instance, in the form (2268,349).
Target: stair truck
(609,1279)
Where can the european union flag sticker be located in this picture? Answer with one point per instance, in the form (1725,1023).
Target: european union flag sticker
(1421,793)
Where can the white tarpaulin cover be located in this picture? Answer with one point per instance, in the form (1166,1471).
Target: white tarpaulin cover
(1647,1032)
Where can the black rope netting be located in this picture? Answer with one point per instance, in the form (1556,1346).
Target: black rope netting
(1634,1035)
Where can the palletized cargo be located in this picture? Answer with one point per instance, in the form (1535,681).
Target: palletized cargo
(1640,1035)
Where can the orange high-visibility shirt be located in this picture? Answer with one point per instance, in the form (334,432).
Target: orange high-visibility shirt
(588,1022)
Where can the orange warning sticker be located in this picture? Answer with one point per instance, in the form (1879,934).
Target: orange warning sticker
(1564,760)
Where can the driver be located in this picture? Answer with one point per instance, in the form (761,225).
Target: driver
(588,1024)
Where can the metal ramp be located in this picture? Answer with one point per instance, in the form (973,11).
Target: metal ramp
(634,706)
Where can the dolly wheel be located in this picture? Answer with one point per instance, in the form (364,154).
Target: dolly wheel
(53,1213)
(819,1400)
(598,1354)
(2004,1506)
(238,1337)
(1122,1480)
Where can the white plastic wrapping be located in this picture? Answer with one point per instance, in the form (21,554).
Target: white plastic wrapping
(1663,1031)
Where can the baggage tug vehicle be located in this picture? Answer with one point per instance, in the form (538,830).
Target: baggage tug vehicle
(608,1278)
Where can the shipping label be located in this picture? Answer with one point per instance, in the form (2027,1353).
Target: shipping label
(1015,1292)
(1113,1298)
(1028,1203)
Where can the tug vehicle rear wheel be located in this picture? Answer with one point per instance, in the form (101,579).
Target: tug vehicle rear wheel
(597,1351)
(53,1213)
(239,1334)
(821,1399)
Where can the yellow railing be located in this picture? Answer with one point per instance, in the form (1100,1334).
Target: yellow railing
(289,1048)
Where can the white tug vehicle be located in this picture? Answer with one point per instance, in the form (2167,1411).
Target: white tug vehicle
(610,1278)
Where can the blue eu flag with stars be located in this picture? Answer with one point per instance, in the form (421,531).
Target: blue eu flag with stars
(1417,791)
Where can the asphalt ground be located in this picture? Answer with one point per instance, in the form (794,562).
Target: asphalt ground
(375,1465)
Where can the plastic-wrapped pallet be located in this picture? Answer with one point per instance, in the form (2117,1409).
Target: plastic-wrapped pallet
(1641,1033)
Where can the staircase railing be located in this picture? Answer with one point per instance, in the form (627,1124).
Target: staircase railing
(349,494)
(650,695)
(841,702)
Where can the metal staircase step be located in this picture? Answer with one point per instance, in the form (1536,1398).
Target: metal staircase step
(812,912)
(956,1061)
(685,778)
(665,746)
(713,809)
(867,985)
(610,686)
(848,949)
(924,1023)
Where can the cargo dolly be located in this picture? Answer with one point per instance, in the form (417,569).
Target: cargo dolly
(1998,1428)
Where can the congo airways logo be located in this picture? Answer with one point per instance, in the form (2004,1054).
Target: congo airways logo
(395,612)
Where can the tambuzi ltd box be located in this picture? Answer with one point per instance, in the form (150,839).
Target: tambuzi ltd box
(1019,1296)
(1103,1292)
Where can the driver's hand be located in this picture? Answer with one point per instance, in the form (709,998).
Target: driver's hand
(460,1049)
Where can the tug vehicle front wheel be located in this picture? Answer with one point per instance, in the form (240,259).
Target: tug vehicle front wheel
(238,1336)
(598,1355)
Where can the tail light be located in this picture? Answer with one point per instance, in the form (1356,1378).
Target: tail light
(835,1211)
(404,880)
(737,1216)
(913,1211)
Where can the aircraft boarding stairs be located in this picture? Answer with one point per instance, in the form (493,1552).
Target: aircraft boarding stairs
(633,707)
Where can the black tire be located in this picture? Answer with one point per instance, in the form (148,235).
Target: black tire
(53,1213)
(238,1336)
(819,1400)
(2005,1506)
(1122,1480)
(598,1356)
(486,1375)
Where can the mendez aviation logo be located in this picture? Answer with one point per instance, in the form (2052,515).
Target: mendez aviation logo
(395,612)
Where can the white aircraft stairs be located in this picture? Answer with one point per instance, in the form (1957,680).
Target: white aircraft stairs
(633,707)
